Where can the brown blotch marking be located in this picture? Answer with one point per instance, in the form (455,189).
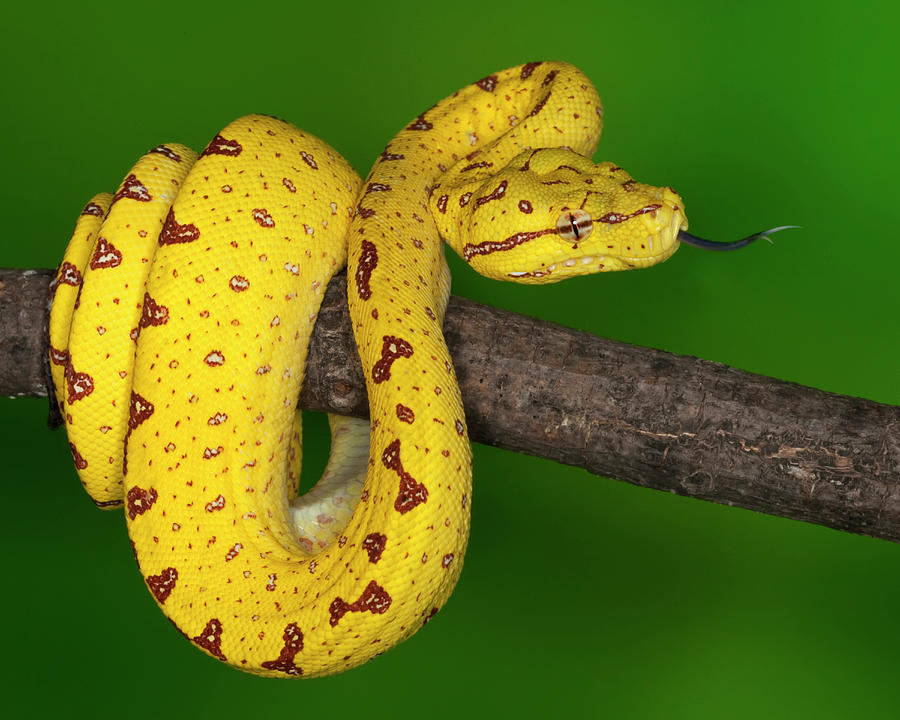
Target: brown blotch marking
(549,78)
(293,643)
(139,410)
(174,232)
(490,246)
(464,199)
(162,585)
(139,501)
(446,560)
(527,166)
(368,260)
(496,194)
(262,217)
(374,545)
(528,68)
(211,639)
(80,462)
(386,155)
(214,358)
(153,313)
(488,84)
(460,430)
(79,384)
(364,212)
(476,165)
(233,552)
(217,419)
(442,203)
(411,493)
(105,255)
(68,275)
(420,123)
(133,189)
(525,207)
(288,184)
(220,146)
(540,106)
(238,283)
(377,187)
(405,414)
(309,159)
(92,208)
(374,599)
(613,218)
(168,152)
(58,357)
(217,504)
(392,348)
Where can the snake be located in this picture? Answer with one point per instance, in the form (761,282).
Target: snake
(179,329)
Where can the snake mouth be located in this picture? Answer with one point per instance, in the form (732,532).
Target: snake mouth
(592,264)
(655,241)
(651,238)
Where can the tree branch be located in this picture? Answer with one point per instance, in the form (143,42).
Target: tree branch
(648,417)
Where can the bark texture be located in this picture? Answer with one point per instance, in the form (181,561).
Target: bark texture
(648,417)
(23,336)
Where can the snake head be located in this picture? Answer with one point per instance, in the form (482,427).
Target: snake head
(551,214)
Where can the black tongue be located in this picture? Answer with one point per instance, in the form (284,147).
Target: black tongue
(689,239)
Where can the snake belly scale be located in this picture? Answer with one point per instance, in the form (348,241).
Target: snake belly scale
(179,329)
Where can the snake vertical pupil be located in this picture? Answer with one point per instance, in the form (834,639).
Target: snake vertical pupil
(574,225)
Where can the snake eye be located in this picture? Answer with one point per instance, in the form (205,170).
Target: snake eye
(574,225)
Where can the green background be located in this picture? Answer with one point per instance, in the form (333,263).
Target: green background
(759,114)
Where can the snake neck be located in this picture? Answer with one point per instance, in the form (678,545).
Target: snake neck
(398,287)
(462,143)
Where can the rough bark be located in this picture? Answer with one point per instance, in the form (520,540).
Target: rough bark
(648,417)
(23,314)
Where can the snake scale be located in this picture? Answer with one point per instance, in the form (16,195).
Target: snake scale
(179,327)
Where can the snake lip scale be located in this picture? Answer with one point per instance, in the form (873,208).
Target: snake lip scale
(181,315)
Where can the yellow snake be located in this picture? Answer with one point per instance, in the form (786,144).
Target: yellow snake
(179,328)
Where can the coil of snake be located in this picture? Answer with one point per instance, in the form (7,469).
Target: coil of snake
(179,327)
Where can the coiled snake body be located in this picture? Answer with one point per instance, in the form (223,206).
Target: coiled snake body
(182,312)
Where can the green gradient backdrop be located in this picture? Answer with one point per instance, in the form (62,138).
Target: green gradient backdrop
(580,594)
